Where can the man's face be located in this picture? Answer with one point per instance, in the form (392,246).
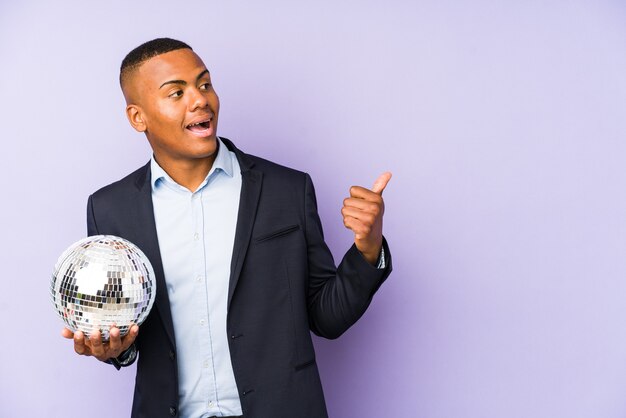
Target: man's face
(174,103)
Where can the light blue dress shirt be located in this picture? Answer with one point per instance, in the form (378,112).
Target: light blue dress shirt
(196,232)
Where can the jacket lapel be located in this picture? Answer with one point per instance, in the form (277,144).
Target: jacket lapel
(251,182)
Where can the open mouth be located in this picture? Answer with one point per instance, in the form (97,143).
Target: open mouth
(199,127)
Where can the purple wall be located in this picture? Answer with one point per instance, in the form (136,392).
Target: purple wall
(504,126)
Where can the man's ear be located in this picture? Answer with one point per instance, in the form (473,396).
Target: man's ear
(134,115)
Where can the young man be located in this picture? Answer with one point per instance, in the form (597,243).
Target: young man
(243,273)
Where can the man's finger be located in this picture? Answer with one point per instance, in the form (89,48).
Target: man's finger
(115,341)
(129,338)
(360,203)
(361,215)
(79,343)
(355,226)
(66,333)
(381,182)
(97,348)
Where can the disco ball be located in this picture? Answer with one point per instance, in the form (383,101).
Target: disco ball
(102,281)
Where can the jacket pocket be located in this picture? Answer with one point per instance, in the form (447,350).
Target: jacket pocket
(278,233)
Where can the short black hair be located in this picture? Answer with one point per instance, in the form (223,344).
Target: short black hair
(148,50)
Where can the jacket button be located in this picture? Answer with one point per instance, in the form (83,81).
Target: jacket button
(172,355)
(172,411)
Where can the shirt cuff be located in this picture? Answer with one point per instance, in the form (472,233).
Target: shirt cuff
(381,259)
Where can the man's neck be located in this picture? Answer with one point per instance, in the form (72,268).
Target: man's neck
(188,173)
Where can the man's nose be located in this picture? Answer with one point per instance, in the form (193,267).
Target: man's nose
(197,100)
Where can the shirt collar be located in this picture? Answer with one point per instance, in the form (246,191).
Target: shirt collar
(223,162)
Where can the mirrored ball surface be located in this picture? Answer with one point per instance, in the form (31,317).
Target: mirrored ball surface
(102,281)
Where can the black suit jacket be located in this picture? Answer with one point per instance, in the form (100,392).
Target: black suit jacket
(283,283)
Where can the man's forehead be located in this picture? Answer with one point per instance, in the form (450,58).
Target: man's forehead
(180,64)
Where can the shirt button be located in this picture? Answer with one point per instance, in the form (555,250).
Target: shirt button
(211,403)
(206,365)
(199,278)
(202,322)
(196,236)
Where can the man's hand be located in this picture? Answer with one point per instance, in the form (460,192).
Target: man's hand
(363,214)
(94,346)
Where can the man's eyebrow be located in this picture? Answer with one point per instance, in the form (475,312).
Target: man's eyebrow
(202,74)
(183,82)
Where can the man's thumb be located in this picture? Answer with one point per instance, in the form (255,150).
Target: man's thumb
(381,182)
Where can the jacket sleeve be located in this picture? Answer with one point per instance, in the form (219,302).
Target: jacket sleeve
(92,228)
(337,297)
(129,356)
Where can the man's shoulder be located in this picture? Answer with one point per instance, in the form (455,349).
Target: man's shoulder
(270,169)
(129,183)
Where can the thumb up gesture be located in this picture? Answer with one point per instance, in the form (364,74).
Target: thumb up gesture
(363,214)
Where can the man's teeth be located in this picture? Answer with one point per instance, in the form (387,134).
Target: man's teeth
(198,123)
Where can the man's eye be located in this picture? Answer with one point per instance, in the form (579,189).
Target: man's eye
(205,86)
(177,93)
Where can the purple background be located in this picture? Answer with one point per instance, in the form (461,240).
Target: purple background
(504,126)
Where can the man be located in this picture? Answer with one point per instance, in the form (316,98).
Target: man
(242,269)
